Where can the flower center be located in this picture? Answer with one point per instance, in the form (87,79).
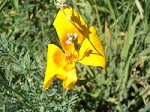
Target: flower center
(71,57)
(72,38)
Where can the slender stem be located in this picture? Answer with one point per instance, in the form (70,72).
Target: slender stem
(97,14)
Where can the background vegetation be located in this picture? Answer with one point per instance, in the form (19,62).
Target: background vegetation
(124,29)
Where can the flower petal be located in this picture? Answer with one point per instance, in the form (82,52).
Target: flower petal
(68,21)
(68,75)
(70,80)
(91,51)
(62,73)
(55,61)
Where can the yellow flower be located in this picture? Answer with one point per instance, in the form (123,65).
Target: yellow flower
(79,43)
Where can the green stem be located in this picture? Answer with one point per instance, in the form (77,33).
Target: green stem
(97,14)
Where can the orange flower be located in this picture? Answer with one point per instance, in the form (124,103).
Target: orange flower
(79,43)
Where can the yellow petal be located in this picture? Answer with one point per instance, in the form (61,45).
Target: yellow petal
(55,61)
(91,51)
(70,80)
(62,73)
(67,73)
(68,21)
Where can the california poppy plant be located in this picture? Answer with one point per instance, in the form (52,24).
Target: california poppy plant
(79,44)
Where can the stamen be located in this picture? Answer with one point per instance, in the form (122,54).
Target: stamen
(70,57)
(71,38)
